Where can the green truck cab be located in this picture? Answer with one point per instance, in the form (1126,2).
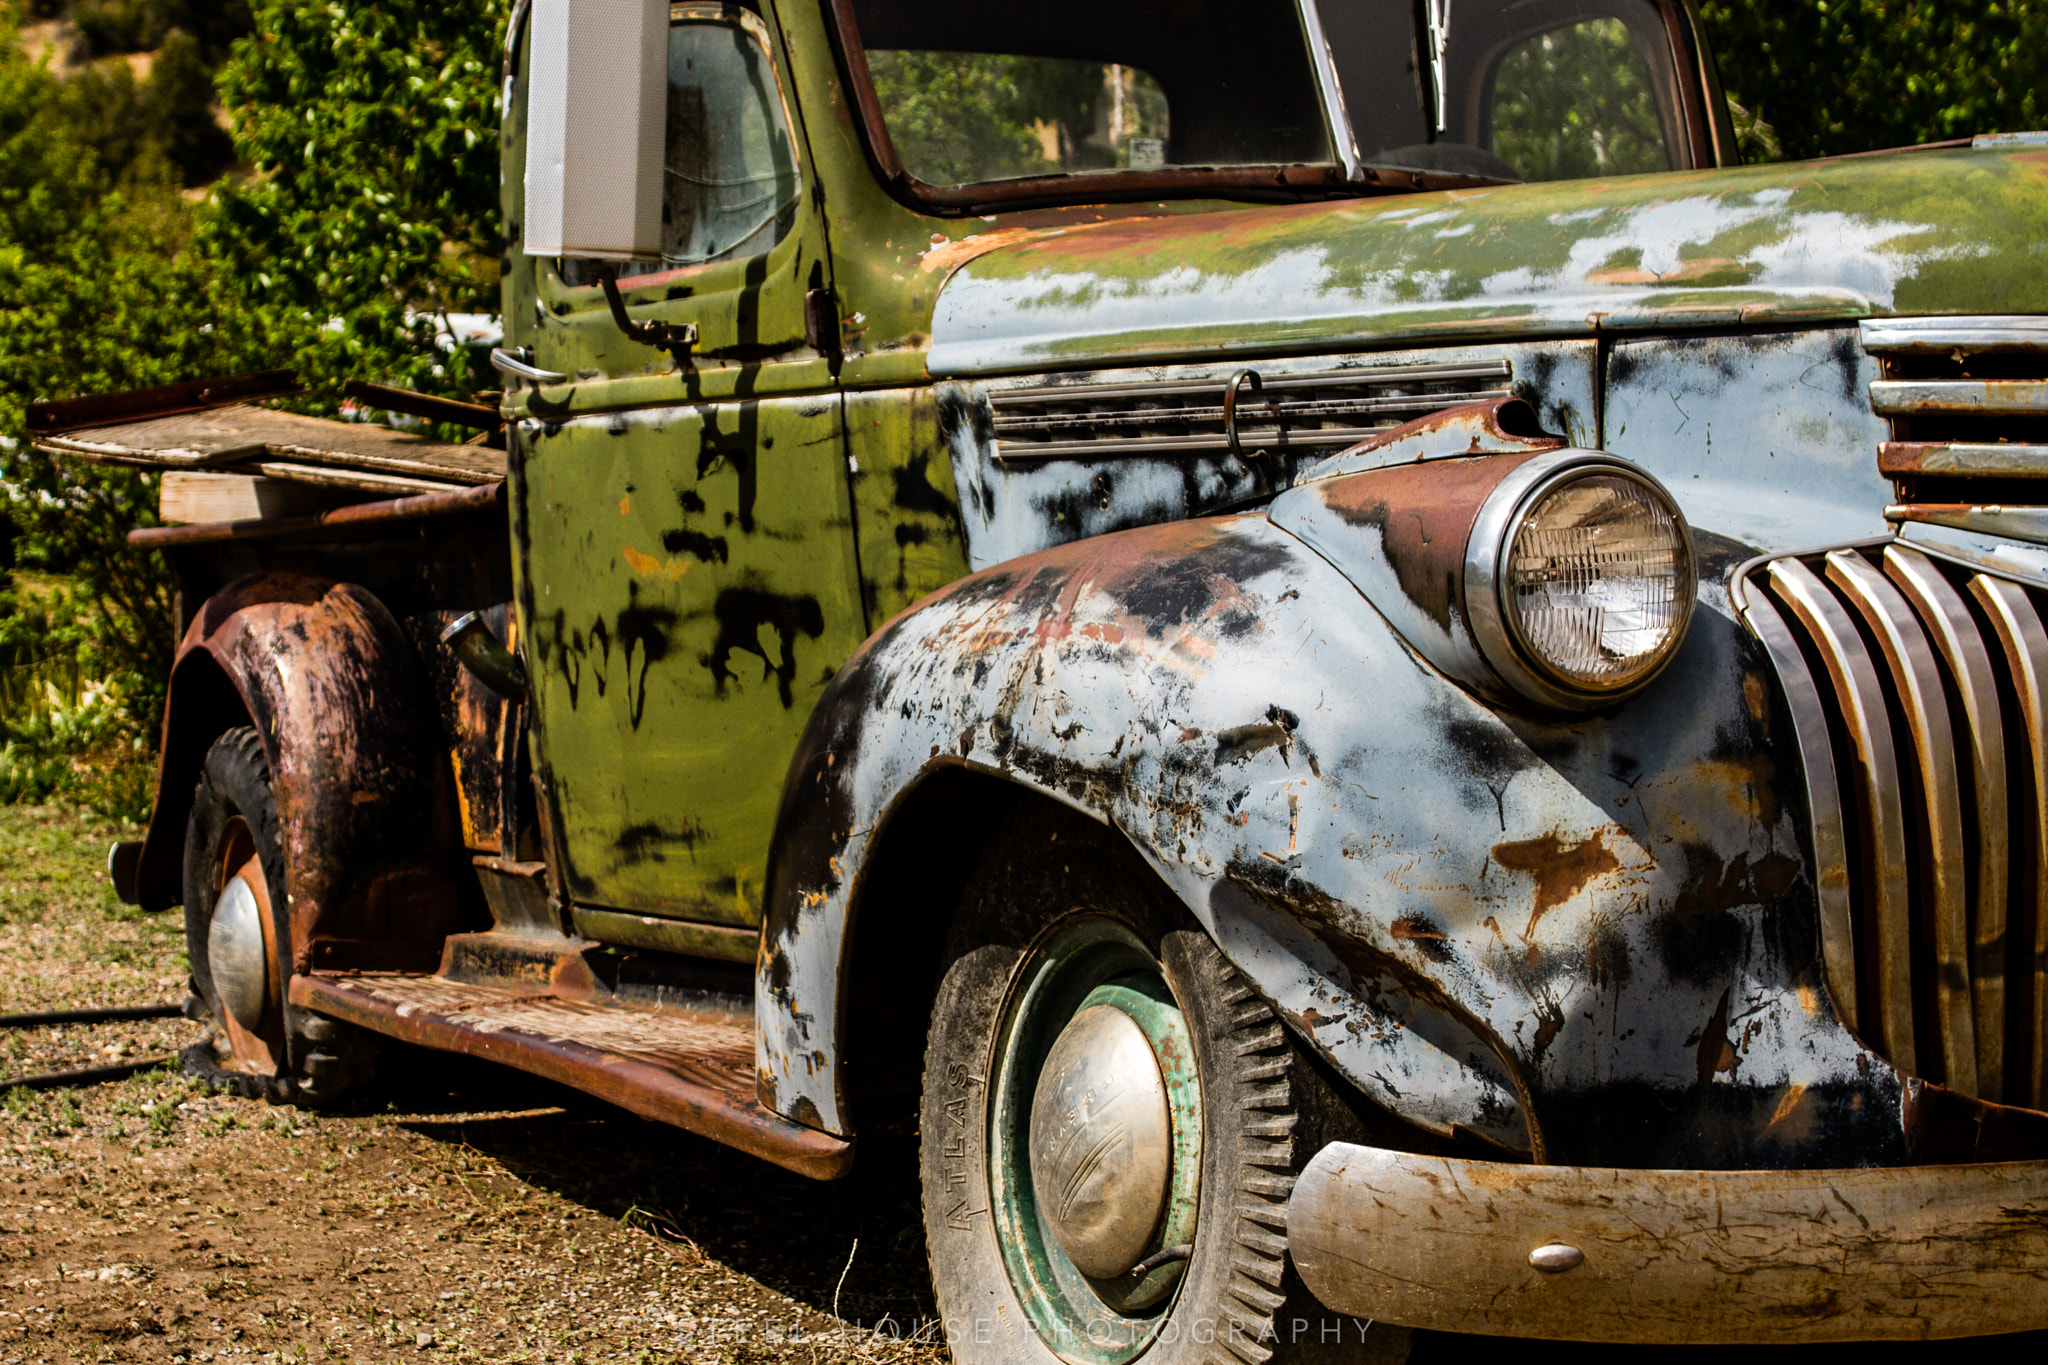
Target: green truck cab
(1371,681)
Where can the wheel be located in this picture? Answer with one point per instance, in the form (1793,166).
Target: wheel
(1112,1121)
(238,939)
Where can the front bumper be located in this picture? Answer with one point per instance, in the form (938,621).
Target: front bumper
(1674,1256)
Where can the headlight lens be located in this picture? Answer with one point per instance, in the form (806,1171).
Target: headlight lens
(1598,582)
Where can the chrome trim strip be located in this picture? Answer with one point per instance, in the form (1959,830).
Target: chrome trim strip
(1962,459)
(1990,519)
(1363,375)
(2026,653)
(1916,678)
(1877,782)
(1314,407)
(1958,397)
(1955,634)
(1940,335)
(1022,452)
(1823,800)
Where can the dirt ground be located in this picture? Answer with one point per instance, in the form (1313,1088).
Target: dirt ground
(458,1210)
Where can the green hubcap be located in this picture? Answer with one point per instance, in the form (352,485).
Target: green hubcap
(1097,1142)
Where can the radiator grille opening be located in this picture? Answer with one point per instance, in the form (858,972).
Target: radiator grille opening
(1967,403)
(1919,690)
(1302,415)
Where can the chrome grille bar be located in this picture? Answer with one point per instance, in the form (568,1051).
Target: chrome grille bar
(2025,645)
(1944,873)
(1823,803)
(1967,402)
(1947,620)
(1959,397)
(1886,973)
(1918,693)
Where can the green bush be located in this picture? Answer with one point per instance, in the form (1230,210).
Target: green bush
(368,138)
(1835,76)
(372,131)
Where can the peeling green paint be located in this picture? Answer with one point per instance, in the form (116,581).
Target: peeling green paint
(1944,231)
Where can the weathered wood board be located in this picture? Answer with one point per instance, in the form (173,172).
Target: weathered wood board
(188,496)
(1909,1253)
(225,437)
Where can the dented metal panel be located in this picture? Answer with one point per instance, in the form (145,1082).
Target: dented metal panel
(1012,509)
(1767,438)
(326,675)
(909,533)
(688,588)
(1556,936)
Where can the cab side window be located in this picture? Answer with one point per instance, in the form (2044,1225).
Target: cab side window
(731,187)
(1577,101)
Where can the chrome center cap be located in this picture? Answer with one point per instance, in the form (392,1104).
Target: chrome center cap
(1101,1142)
(236,956)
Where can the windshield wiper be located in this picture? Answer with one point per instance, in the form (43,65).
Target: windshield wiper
(1438,14)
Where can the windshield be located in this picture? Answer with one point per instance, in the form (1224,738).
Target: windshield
(978,93)
(1004,97)
(1513,89)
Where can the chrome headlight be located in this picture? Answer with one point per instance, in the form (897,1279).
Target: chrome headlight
(1579,578)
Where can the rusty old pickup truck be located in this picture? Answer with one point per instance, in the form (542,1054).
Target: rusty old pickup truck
(1367,679)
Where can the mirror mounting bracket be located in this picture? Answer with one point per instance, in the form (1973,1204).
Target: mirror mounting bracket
(678,339)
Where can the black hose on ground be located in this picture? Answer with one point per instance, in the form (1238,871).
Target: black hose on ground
(107,1016)
(92,1075)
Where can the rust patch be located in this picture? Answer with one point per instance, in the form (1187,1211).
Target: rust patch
(653,567)
(950,256)
(1424,513)
(1711,1045)
(1415,927)
(1561,870)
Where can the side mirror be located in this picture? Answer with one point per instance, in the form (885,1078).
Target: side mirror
(597,110)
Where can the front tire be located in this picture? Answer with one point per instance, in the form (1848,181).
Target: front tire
(1038,1158)
(238,939)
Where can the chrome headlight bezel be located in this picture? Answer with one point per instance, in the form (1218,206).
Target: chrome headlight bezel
(1490,615)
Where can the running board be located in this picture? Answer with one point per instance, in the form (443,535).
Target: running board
(691,1068)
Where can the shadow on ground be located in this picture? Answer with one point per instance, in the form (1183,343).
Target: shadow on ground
(792,1234)
(799,1236)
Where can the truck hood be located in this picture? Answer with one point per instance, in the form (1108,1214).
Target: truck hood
(1951,231)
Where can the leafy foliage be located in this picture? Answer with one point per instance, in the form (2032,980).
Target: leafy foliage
(1836,76)
(372,133)
(368,140)
(1575,102)
(100,293)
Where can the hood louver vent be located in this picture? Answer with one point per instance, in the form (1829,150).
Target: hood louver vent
(1967,399)
(1308,414)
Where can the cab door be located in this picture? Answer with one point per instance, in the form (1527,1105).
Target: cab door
(687,581)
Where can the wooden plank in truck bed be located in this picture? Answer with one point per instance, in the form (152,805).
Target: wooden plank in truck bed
(281,444)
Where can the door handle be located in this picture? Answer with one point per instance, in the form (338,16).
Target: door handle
(515,363)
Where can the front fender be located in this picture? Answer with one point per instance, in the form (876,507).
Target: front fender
(1591,941)
(358,770)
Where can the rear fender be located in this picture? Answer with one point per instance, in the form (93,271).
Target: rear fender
(358,770)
